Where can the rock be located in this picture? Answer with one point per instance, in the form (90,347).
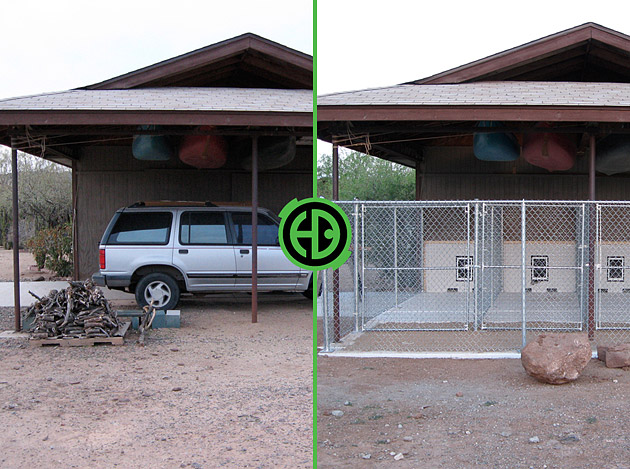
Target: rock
(570,438)
(337,413)
(459,394)
(557,358)
(365,455)
(407,438)
(398,457)
(534,439)
(601,352)
(176,389)
(347,403)
(39,279)
(618,356)
(506,434)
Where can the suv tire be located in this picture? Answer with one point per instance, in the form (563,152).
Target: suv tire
(161,287)
(308,293)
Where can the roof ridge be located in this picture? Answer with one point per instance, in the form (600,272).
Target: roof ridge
(575,30)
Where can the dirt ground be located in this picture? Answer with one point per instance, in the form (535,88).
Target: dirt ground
(466,413)
(220,391)
(28,268)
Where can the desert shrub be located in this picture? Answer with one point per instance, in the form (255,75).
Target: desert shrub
(52,248)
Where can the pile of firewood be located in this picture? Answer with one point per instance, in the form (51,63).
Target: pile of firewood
(79,311)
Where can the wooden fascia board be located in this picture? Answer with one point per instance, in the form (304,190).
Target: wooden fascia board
(263,119)
(611,38)
(164,71)
(510,58)
(175,66)
(474,113)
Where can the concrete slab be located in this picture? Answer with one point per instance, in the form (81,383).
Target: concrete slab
(14,335)
(43,288)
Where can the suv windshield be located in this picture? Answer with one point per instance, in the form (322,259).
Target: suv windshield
(141,228)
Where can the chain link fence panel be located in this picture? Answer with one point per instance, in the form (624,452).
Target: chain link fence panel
(478,276)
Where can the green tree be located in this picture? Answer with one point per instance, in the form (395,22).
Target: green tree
(45,193)
(366,178)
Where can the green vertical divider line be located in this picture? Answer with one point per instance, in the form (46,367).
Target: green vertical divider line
(315,273)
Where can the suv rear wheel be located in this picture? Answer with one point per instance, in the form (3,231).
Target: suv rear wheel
(308,293)
(159,287)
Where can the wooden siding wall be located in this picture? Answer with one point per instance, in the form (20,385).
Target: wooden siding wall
(453,173)
(109,178)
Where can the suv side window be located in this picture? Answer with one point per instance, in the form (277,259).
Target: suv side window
(202,228)
(267,229)
(141,228)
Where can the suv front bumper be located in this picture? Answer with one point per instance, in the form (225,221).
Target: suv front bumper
(111,280)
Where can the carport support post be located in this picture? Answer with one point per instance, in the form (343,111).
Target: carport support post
(254,229)
(335,279)
(591,238)
(16,237)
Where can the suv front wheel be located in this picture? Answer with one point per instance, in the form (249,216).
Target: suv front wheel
(161,288)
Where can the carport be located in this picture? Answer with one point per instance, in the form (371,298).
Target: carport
(244,89)
(488,244)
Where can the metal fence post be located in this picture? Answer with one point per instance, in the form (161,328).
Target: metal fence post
(355,234)
(363,298)
(476,279)
(523,275)
(583,290)
(396,255)
(468,268)
(325,308)
(592,220)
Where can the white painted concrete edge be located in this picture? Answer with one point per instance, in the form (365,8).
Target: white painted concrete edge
(451,355)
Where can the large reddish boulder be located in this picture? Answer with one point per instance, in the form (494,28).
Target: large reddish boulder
(557,358)
(618,356)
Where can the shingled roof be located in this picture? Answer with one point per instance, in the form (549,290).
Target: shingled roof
(63,107)
(239,84)
(517,93)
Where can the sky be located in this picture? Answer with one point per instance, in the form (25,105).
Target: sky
(63,44)
(367,44)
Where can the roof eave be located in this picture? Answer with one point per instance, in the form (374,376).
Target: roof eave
(131,117)
(473,113)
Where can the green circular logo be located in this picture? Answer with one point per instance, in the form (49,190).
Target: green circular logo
(315,234)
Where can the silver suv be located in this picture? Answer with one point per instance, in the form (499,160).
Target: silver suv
(160,250)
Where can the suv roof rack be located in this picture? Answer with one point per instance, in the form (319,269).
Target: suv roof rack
(173,203)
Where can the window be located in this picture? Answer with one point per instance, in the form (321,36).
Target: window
(141,228)
(615,269)
(267,229)
(203,228)
(540,271)
(464,268)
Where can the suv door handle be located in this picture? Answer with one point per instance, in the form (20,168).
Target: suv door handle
(244,251)
(183,251)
